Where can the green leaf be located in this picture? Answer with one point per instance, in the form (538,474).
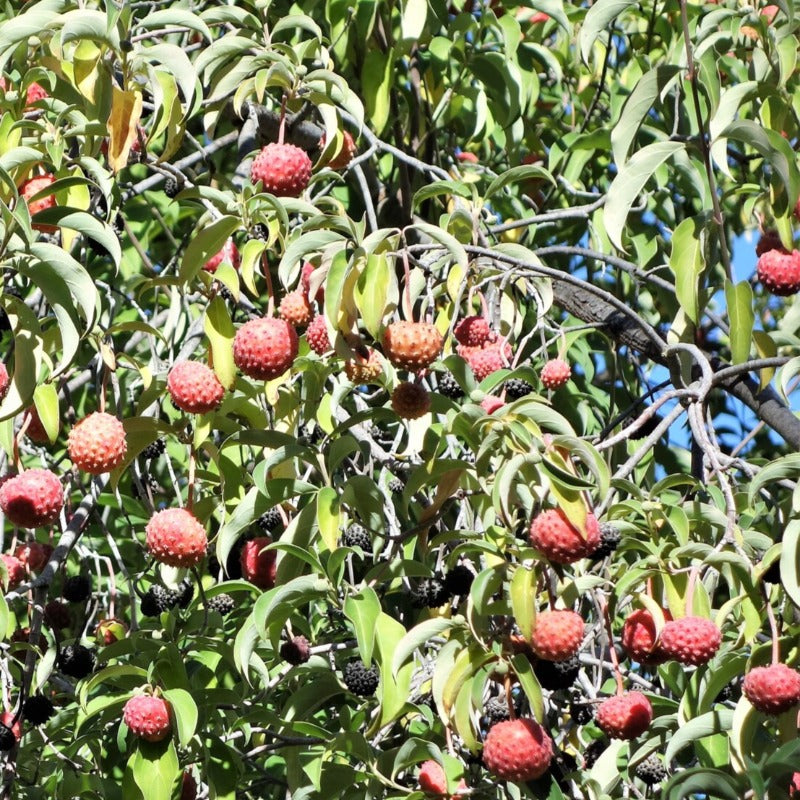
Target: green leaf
(530,685)
(412,24)
(376,80)
(719,720)
(790,560)
(516,175)
(155,769)
(185,711)
(687,263)
(45,398)
(376,293)
(363,609)
(419,635)
(220,331)
(630,181)
(207,243)
(523,597)
(739,297)
(328,516)
(597,19)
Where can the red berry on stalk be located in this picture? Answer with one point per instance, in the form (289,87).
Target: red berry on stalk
(296,309)
(229,252)
(285,170)
(639,637)
(345,155)
(176,537)
(15,569)
(259,565)
(773,689)
(411,400)
(34,555)
(780,272)
(32,498)
(306,279)
(517,750)
(97,443)
(432,779)
(557,635)
(472,331)
(769,240)
(555,373)
(317,335)
(5,381)
(194,387)
(560,541)
(364,369)
(412,345)
(486,360)
(32,187)
(624,716)
(490,404)
(690,640)
(148,717)
(265,348)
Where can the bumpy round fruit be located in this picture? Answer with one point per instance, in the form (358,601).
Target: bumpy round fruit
(148,717)
(97,443)
(34,93)
(345,155)
(780,272)
(296,309)
(472,331)
(32,499)
(691,640)
(432,779)
(518,750)
(265,348)
(560,540)
(35,430)
(5,381)
(651,771)
(773,689)
(485,361)
(259,565)
(769,240)
(359,679)
(364,369)
(555,373)
(490,404)
(410,400)
(34,555)
(15,569)
(194,387)
(557,635)
(176,537)
(285,170)
(317,335)
(516,388)
(229,252)
(625,716)
(412,345)
(555,675)
(296,651)
(639,637)
(34,186)
(76,661)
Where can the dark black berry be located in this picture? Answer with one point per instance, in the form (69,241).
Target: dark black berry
(313,434)
(260,232)
(222,603)
(773,572)
(57,616)
(154,449)
(582,713)
(77,589)
(651,771)
(496,710)
(554,675)
(360,680)
(459,580)
(731,692)
(225,293)
(449,386)
(396,485)
(646,429)
(296,650)
(270,520)
(430,593)
(183,595)
(171,187)
(146,480)
(7,738)
(357,536)
(609,541)
(118,224)
(156,600)
(37,709)
(516,388)
(76,661)
(592,752)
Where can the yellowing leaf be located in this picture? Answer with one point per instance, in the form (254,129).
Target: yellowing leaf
(126,110)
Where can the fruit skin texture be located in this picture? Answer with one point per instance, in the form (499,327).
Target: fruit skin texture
(490,404)
(769,240)
(229,252)
(639,637)
(305,282)
(433,780)
(265,348)
(296,309)
(317,335)
(773,689)
(410,400)
(345,155)
(5,381)
(97,443)
(557,635)
(364,369)
(15,569)
(690,640)
(34,186)
(34,555)
(412,345)
(472,331)
(555,373)
(285,170)
(518,750)
(485,361)
(33,498)
(780,272)
(259,567)
(360,680)
(176,537)
(194,387)
(559,540)
(625,716)
(148,717)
